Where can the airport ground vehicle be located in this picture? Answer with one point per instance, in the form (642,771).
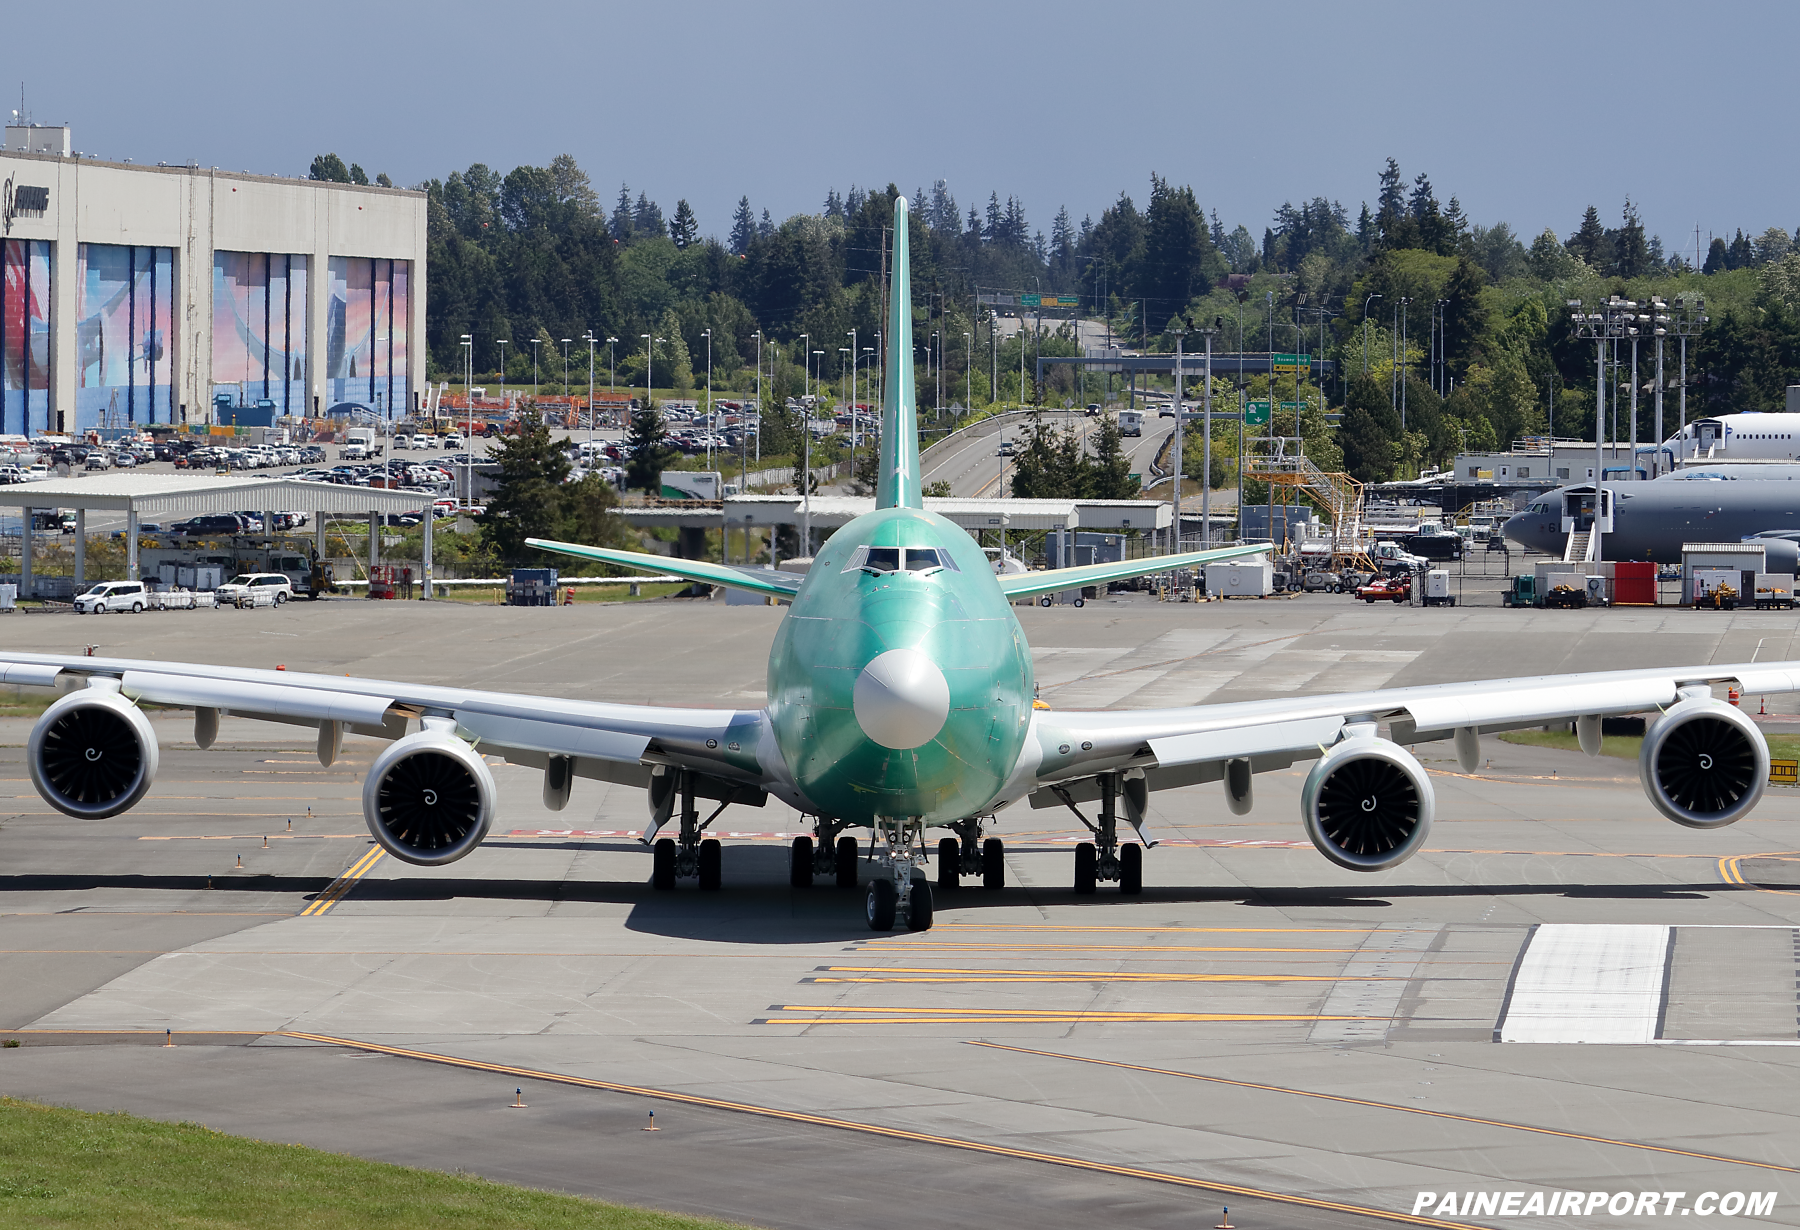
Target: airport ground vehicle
(1522,592)
(1387,589)
(111,596)
(1437,588)
(902,639)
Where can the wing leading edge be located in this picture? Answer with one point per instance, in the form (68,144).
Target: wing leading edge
(756,580)
(1031,584)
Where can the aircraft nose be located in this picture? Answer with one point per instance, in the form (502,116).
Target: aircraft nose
(901,699)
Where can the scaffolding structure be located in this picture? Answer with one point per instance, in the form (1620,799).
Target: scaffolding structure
(1281,461)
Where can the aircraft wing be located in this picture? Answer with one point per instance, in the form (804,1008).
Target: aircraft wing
(756,580)
(612,742)
(1177,747)
(1050,581)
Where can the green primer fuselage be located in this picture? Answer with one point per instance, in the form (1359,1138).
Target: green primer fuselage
(841,621)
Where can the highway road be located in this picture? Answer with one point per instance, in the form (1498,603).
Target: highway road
(974,469)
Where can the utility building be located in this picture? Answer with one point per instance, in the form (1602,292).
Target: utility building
(139,295)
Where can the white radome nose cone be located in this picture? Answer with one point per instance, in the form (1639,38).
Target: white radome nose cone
(901,699)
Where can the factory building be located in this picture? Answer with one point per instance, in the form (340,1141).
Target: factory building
(142,295)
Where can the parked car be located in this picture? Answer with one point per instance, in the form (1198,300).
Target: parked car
(97,460)
(111,596)
(243,587)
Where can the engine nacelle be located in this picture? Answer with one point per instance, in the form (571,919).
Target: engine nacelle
(1704,764)
(1367,804)
(429,798)
(92,754)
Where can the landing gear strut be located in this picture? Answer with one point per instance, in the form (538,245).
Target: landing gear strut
(899,889)
(967,854)
(825,853)
(689,856)
(1104,858)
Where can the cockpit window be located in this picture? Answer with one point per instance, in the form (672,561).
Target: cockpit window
(889,559)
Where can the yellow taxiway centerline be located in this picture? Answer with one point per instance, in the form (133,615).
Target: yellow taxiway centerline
(336,891)
(891,1133)
(1411,1110)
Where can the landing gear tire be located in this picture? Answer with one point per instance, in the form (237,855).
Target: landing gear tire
(1087,867)
(712,865)
(993,863)
(1080,602)
(949,863)
(1131,869)
(918,906)
(1046,600)
(800,863)
(662,865)
(846,862)
(882,900)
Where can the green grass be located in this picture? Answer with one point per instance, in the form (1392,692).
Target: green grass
(70,1168)
(1626,747)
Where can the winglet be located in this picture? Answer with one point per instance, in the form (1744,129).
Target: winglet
(898,486)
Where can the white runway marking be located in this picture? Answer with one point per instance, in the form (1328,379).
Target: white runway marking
(1588,983)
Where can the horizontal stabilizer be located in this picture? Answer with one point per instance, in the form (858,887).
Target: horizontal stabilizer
(1030,584)
(756,580)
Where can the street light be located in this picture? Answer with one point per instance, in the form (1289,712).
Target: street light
(707,334)
(649,364)
(1366,303)
(968,372)
(468,344)
(1178,328)
(534,370)
(612,368)
(502,342)
(855,418)
(565,346)
(590,339)
(759,398)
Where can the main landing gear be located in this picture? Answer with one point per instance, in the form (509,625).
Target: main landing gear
(825,853)
(690,856)
(1104,858)
(968,855)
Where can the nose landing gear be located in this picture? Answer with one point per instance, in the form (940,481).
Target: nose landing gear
(899,889)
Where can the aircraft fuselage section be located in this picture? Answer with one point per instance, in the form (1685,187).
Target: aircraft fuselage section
(900,687)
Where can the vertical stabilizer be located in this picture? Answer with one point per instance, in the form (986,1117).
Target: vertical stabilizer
(898,485)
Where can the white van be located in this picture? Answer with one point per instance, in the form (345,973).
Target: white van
(242,590)
(111,596)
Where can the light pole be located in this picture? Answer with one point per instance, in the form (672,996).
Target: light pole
(612,369)
(1616,318)
(968,372)
(565,346)
(759,398)
(707,334)
(468,344)
(534,370)
(649,364)
(1179,329)
(502,342)
(1208,332)
(855,418)
(590,339)
(1689,319)
(1366,303)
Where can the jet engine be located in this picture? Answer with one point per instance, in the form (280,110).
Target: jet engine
(429,798)
(1367,804)
(1704,764)
(92,754)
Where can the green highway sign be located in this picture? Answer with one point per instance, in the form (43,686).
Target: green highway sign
(1290,362)
(1033,299)
(1256,413)
(1295,406)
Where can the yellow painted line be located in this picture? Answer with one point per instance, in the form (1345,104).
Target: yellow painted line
(1411,1110)
(258,837)
(997,927)
(890,1133)
(1073,975)
(1025,1016)
(335,892)
(1732,873)
(1079,948)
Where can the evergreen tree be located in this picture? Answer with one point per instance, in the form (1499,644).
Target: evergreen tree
(527,498)
(743,227)
(1365,229)
(358,175)
(1110,475)
(685,230)
(647,449)
(330,169)
(681,365)
(1715,257)
(1175,249)
(383,181)
(766,227)
(854,202)
(621,216)
(834,204)
(1740,255)
(1589,243)
(1390,206)
(589,513)
(1631,255)
(995,220)
(647,218)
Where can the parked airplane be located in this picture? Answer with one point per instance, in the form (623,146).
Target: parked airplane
(900,699)
(1751,436)
(1653,520)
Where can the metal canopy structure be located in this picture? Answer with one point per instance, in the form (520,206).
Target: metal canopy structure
(141,495)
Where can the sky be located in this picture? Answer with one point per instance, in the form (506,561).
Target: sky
(1528,112)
